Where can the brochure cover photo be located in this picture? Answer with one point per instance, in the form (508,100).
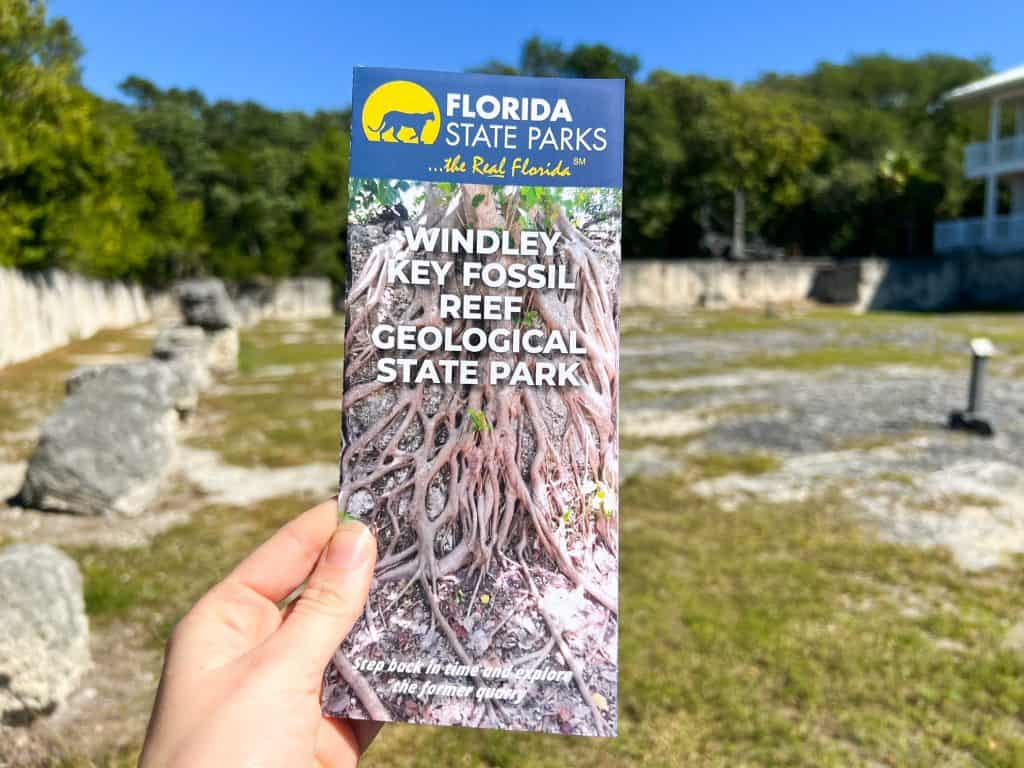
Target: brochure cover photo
(480,410)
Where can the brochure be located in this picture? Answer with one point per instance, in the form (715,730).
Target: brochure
(480,406)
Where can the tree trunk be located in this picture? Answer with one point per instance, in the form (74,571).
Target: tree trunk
(739,224)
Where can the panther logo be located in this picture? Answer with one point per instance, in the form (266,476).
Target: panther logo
(401,112)
(395,122)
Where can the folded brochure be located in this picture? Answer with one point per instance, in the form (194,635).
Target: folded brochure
(480,406)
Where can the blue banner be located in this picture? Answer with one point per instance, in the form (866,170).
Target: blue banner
(486,129)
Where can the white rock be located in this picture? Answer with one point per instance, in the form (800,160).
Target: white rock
(44,632)
(222,350)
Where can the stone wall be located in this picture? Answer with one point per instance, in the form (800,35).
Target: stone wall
(704,283)
(293,298)
(975,281)
(40,311)
(43,310)
(963,281)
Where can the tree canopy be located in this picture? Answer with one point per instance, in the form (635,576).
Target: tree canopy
(271,187)
(164,185)
(77,187)
(849,159)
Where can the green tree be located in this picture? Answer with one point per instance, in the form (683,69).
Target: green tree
(545,58)
(843,200)
(321,190)
(870,109)
(270,187)
(38,69)
(669,155)
(764,149)
(121,216)
(77,190)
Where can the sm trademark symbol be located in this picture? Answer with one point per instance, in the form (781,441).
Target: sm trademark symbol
(578,161)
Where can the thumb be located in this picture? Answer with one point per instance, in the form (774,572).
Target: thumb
(332,600)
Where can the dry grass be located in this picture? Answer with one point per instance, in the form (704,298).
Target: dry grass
(32,390)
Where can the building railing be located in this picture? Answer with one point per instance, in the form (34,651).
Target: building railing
(981,158)
(1007,233)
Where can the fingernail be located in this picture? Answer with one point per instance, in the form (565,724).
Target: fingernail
(350,546)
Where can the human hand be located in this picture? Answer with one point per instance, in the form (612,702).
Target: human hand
(241,679)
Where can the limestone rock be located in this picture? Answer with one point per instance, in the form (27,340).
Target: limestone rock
(250,310)
(294,298)
(681,284)
(713,299)
(222,350)
(187,346)
(161,386)
(109,447)
(303,298)
(206,303)
(79,377)
(44,632)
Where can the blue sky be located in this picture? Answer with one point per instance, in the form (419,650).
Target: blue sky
(299,54)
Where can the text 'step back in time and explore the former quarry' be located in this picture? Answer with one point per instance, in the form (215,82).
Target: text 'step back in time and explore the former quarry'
(480,413)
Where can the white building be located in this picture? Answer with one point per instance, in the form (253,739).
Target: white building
(999,161)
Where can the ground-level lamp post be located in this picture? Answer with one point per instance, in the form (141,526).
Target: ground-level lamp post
(971,420)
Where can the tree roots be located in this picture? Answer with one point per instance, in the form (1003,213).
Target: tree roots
(446,495)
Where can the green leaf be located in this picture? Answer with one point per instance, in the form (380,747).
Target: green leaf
(478,420)
(477,199)
(529,318)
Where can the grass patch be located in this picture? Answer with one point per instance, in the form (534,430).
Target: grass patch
(710,464)
(951,503)
(871,442)
(1004,329)
(283,406)
(830,356)
(155,586)
(32,390)
(269,345)
(703,322)
(673,443)
(109,593)
(859,356)
(851,346)
(128,758)
(900,478)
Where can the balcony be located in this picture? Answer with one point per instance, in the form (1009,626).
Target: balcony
(1008,155)
(1007,234)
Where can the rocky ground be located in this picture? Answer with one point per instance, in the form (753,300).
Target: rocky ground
(802,401)
(815,571)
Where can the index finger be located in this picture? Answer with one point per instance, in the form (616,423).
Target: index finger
(283,562)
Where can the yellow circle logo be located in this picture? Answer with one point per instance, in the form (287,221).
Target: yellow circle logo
(401,111)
